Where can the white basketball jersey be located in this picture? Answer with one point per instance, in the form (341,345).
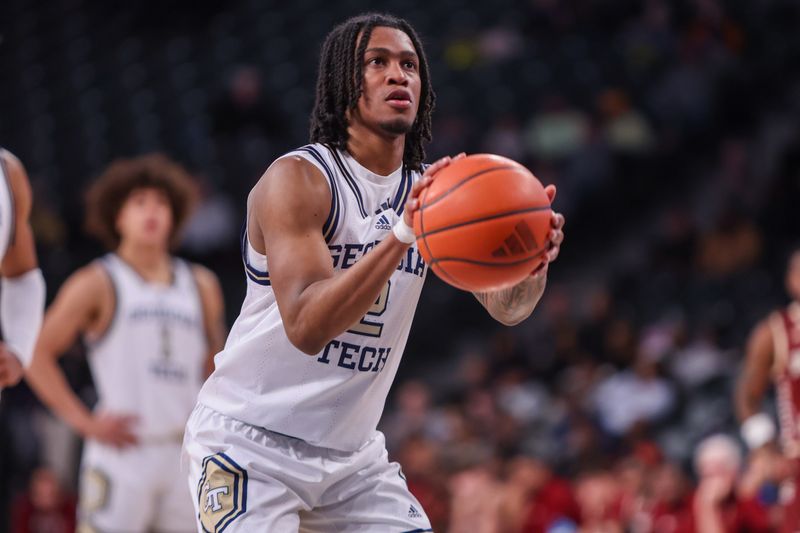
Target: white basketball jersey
(333,399)
(150,362)
(7,216)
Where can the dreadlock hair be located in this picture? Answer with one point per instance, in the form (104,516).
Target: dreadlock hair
(340,84)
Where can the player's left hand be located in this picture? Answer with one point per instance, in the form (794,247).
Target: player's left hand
(413,202)
(555,238)
(11,370)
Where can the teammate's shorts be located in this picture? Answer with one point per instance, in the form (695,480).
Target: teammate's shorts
(138,489)
(247,479)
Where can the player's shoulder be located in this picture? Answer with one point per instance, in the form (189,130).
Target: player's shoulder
(90,282)
(290,176)
(205,278)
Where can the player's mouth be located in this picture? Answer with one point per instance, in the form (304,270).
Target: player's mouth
(399,99)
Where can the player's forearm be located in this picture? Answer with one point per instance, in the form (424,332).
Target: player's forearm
(50,385)
(513,305)
(747,404)
(328,307)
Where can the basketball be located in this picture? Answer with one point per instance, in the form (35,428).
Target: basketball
(483,223)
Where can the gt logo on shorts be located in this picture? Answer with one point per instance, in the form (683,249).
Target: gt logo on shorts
(221,493)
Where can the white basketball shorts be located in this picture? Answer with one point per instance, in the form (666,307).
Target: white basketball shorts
(134,490)
(248,479)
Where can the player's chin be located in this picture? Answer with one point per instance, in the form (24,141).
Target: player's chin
(397,126)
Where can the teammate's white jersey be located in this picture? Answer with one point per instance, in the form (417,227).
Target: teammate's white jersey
(150,361)
(333,399)
(6,210)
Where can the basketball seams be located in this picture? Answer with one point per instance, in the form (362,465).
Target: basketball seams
(469,178)
(486,219)
(489,263)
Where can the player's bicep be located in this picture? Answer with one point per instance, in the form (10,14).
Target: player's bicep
(21,254)
(291,204)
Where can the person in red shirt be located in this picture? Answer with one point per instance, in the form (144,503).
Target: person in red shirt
(44,508)
(534,498)
(718,505)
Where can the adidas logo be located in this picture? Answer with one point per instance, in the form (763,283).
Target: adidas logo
(520,242)
(413,513)
(383,223)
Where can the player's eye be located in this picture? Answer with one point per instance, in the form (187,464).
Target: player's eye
(410,65)
(376,61)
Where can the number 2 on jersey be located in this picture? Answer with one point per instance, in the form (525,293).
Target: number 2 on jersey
(367,326)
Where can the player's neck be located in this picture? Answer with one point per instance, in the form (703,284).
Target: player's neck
(379,154)
(151,262)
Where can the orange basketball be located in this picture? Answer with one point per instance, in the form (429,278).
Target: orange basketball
(483,223)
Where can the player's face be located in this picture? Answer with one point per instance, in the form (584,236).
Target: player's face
(146,218)
(793,276)
(391,85)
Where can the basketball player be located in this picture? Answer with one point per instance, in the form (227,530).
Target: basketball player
(22,292)
(284,434)
(151,322)
(773,354)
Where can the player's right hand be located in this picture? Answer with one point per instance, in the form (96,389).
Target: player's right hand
(114,430)
(10,368)
(412,204)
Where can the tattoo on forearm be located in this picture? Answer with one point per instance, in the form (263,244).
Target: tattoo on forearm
(515,303)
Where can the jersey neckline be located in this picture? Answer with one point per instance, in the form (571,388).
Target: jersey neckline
(365,173)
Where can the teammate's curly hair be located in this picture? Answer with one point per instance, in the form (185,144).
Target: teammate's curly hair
(340,80)
(108,193)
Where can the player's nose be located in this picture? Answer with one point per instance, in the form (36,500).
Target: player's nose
(396,75)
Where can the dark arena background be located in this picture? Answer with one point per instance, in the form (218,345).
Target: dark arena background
(669,127)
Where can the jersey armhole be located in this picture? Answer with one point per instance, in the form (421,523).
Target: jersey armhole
(96,339)
(311,154)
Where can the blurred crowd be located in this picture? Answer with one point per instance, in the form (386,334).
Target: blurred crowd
(671,131)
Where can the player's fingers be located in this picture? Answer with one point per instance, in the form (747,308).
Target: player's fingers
(438,165)
(461,155)
(556,237)
(550,191)
(552,253)
(557,220)
(419,186)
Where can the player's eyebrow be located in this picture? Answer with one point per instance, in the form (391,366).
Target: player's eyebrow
(381,50)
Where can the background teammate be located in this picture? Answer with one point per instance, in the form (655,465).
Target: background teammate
(288,418)
(152,322)
(22,292)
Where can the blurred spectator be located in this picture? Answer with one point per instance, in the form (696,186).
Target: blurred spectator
(213,225)
(632,396)
(534,498)
(599,498)
(477,499)
(667,507)
(732,245)
(626,129)
(421,464)
(558,130)
(244,108)
(44,508)
(718,505)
